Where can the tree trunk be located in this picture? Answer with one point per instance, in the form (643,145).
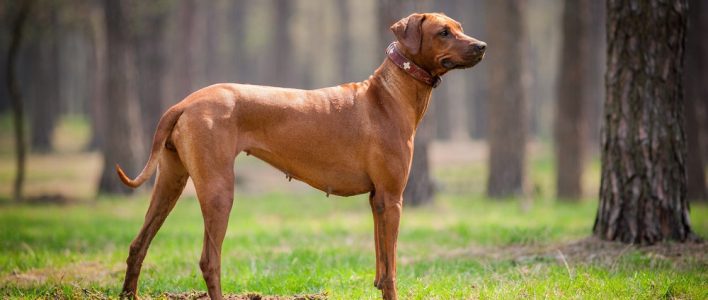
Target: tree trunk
(420,187)
(151,65)
(344,41)
(242,68)
(16,98)
(124,139)
(185,40)
(508,121)
(695,73)
(282,45)
(98,94)
(472,15)
(696,99)
(572,94)
(45,103)
(387,13)
(643,185)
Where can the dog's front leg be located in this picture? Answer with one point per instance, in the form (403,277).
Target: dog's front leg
(377,240)
(388,208)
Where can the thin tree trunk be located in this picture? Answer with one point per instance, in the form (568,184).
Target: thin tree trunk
(282,45)
(696,99)
(242,68)
(473,16)
(98,87)
(45,103)
(124,139)
(388,11)
(344,41)
(508,120)
(185,43)
(151,55)
(572,87)
(16,97)
(643,185)
(420,188)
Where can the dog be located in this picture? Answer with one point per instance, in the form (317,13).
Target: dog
(345,140)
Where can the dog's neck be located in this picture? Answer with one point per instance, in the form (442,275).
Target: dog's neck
(402,91)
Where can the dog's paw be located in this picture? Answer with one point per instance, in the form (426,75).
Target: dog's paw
(379,283)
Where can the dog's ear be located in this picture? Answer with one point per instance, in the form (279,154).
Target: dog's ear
(409,32)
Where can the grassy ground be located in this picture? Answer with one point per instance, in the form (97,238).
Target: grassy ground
(458,248)
(463,246)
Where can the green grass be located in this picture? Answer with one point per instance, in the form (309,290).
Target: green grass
(458,248)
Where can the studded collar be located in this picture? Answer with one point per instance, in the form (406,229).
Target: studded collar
(409,67)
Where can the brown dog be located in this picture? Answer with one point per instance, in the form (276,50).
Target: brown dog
(345,140)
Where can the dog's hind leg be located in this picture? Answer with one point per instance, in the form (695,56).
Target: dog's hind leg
(171,179)
(215,190)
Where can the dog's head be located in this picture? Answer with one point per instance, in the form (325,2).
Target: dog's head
(437,43)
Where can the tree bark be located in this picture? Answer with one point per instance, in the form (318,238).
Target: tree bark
(697,70)
(124,139)
(98,87)
(696,99)
(508,120)
(643,185)
(16,98)
(572,95)
(45,101)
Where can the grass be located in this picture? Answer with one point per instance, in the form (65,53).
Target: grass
(463,246)
(458,248)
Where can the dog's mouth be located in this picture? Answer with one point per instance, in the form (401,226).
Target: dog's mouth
(449,64)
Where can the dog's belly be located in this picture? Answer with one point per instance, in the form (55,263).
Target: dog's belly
(342,178)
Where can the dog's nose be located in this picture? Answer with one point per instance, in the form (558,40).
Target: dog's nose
(480,47)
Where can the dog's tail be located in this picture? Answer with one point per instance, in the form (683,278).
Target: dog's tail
(164,129)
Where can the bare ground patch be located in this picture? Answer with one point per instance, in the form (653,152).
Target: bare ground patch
(78,274)
(589,250)
(249,296)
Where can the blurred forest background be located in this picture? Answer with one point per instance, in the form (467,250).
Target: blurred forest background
(83,83)
(104,72)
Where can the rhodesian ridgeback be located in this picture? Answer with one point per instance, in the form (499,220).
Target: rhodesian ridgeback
(345,140)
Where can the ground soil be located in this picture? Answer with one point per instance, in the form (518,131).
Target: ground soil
(250,296)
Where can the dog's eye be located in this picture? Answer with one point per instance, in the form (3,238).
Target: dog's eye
(444,33)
